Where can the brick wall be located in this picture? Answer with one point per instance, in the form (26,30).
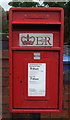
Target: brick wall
(65,114)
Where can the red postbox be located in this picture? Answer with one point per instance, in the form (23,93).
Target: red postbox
(36,59)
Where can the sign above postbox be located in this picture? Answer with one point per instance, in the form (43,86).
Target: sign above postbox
(36,39)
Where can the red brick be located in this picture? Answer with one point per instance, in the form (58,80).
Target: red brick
(5,82)
(4,54)
(66,97)
(5,63)
(66,88)
(5,99)
(5,72)
(20,115)
(45,115)
(5,108)
(5,90)
(63,114)
(66,105)
(6,115)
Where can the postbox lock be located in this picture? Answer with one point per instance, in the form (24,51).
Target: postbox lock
(20,81)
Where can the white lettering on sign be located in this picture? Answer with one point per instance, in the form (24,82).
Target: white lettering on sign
(36,79)
(35,39)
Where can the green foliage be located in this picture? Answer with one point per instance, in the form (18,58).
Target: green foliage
(55,4)
(24,4)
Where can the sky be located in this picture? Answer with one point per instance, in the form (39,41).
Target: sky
(4,4)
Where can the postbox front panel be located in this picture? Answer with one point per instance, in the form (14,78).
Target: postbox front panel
(35,81)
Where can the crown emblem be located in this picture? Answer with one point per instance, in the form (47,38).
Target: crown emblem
(27,40)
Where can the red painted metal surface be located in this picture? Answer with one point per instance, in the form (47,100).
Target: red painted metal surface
(36,20)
